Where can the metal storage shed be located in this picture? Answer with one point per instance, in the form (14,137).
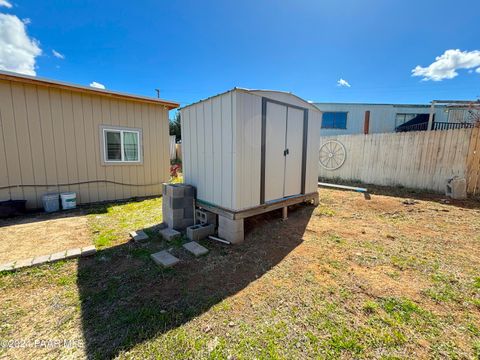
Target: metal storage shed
(250,151)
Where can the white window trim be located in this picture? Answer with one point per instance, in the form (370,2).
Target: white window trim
(107,128)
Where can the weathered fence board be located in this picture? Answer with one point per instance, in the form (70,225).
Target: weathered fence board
(473,163)
(419,159)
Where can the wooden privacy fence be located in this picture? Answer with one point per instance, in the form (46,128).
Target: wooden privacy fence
(420,159)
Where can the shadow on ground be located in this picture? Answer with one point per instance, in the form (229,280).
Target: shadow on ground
(126,299)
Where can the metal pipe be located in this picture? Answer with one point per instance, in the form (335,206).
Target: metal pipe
(219,240)
(357,189)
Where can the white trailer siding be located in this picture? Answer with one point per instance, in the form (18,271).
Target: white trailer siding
(222,142)
(382,116)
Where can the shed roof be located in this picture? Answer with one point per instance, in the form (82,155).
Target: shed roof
(258,92)
(9,76)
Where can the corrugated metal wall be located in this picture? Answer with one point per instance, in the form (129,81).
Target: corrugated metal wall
(208,143)
(52,136)
(382,117)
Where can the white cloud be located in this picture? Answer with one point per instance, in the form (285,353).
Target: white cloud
(6,4)
(57,54)
(97,85)
(446,65)
(343,83)
(27,21)
(17,50)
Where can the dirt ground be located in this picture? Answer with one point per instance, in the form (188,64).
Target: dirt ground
(42,234)
(351,278)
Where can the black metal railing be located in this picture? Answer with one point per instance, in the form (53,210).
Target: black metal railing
(436,126)
(452,125)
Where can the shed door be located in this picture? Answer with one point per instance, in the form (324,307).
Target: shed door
(294,146)
(276,123)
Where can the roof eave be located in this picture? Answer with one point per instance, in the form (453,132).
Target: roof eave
(6,75)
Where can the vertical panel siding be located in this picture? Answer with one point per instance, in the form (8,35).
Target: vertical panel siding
(249,125)
(23,140)
(207,133)
(10,143)
(313,141)
(422,159)
(222,148)
(218,154)
(50,136)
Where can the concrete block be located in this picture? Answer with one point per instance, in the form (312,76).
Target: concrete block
(57,256)
(188,211)
(174,213)
(88,250)
(175,190)
(161,226)
(201,231)
(7,266)
(176,203)
(164,258)
(187,222)
(139,235)
(177,224)
(189,191)
(230,225)
(195,248)
(23,263)
(170,234)
(41,259)
(235,237)
(164,189)
(73,253)
(205,217)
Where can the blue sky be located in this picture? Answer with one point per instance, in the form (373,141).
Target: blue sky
(194,49)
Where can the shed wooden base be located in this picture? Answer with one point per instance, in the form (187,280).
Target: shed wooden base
(274,205)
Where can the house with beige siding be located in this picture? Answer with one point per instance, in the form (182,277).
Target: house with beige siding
(57,137)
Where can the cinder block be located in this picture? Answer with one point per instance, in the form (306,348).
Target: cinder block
(188,201)
(139,235)
(230,225)
(175,190)
(205,217)
(170,234)
(188,212)
(174,213)
(189,191)
(177,224)
(199,232)
(195,248)
(187,222)
(164,258)
(235,237)
(164,189)
(88,250)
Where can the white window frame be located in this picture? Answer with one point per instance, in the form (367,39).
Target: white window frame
(103,133)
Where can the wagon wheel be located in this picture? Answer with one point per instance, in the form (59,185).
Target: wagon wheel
(332,155)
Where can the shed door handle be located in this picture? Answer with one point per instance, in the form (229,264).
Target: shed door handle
(285,152)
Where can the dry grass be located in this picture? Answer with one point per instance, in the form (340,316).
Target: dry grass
(351,278)
(42,234)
